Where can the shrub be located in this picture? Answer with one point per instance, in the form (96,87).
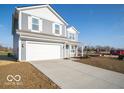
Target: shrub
(9,54)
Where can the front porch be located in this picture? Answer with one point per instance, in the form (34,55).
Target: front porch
(71,49)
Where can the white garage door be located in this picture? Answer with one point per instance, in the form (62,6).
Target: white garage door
(42,51)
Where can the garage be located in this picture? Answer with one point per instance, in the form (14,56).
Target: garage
(43,51)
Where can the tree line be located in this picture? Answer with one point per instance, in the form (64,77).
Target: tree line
(3,48)
(99,49)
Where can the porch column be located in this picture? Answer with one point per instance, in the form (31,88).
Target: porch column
(69,50)
(76,51)
(82,52)
(64,50)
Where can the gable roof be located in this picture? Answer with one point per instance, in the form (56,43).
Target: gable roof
(42,6)
(73,28)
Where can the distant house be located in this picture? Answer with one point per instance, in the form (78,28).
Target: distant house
(40,33)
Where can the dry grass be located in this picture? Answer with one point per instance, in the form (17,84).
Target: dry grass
(30,76)
(107,63)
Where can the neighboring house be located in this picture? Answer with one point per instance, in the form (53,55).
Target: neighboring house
(40,33)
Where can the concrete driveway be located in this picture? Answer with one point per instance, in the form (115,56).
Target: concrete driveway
(69,74)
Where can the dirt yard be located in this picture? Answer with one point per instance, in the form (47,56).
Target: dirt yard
(30,76)
(107,63)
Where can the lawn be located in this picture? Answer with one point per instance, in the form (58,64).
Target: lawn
(30,76)
(106,63)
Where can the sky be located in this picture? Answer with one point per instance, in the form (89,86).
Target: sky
(98,24)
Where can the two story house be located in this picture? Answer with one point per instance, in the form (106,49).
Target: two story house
(40,33)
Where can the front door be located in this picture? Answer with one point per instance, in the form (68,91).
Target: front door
(67,51)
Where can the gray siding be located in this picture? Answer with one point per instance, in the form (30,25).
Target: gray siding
(15,44)
(47,25)
(23,50)
(24,21)
(63,30)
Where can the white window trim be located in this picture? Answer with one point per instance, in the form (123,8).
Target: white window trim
(53,29)
(73,49)
(71,38)
(40,30)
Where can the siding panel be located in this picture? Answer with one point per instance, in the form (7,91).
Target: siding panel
(23,50)
(24,22)
(47,25)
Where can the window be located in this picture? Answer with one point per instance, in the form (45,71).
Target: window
(72,49)
(35,24)
(67,46)
(71,36)
(57,29)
